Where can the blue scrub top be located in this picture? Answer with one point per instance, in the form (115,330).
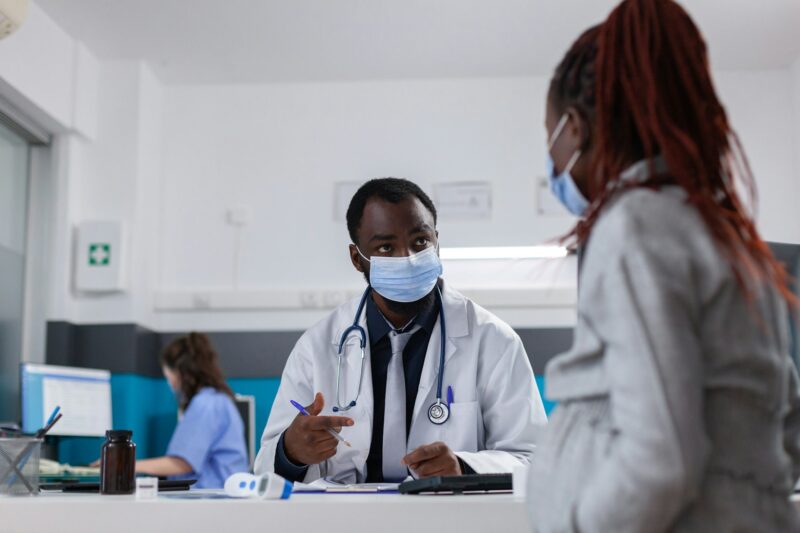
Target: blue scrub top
(210,437)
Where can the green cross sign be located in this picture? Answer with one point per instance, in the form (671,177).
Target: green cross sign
(99,254)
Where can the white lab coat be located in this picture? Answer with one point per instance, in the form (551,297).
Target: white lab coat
(496,417)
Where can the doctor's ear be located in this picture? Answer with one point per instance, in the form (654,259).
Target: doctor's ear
(355,258)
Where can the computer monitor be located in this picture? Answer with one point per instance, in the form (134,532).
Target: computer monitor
(246,405)
(789,255)
(83,394)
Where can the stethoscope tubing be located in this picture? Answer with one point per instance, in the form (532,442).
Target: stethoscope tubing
(355,327)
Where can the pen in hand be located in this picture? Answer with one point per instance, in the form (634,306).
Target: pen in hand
(332,432)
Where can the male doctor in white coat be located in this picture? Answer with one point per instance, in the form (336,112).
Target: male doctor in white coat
(400,410)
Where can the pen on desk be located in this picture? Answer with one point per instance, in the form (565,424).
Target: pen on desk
(449,396)
(332,432)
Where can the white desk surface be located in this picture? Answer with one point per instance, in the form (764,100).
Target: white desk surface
(314,513)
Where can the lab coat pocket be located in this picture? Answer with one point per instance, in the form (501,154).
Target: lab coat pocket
(461,433)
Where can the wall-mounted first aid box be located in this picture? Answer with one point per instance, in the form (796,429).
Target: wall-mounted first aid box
(99,256)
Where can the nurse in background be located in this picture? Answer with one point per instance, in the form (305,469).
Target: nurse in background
(208,443)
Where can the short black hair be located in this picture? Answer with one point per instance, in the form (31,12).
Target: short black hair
(393,190)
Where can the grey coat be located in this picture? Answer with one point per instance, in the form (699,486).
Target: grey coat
(678,403)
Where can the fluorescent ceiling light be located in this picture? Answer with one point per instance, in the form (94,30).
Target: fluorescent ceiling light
(504,252)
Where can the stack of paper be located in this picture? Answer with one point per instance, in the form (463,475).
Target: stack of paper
(325,485)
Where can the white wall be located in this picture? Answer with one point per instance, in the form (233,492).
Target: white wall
(168,161)
(103,163)
(51,78)
(795,88)
(115,178)
(280,148)
(763,111)
(44,71)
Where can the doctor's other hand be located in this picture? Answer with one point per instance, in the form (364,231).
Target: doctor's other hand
(307,440)
(433,460)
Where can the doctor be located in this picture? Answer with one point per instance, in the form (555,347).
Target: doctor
(416,377)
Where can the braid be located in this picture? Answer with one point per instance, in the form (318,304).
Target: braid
(574,79)
(653,95)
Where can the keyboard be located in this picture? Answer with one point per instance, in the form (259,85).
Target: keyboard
(164,485)
(472,483)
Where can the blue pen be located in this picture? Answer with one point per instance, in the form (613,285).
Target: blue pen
(53,415)
(332,432)
(449,396)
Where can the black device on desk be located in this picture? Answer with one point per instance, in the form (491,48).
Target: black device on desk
(458,484)
(164,485)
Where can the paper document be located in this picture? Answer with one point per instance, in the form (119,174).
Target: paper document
(325,485)
(198,494)
(53,468)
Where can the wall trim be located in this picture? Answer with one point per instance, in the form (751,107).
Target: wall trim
(133,349)
(328,299)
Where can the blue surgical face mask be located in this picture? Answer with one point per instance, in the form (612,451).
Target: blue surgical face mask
(405,279)
(563,185)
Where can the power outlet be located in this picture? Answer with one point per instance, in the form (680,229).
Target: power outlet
(201,300)
(239,216)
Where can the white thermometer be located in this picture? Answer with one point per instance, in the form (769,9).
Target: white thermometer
(266,487)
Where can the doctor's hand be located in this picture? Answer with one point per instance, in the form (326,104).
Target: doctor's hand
(433,460)
(307,441)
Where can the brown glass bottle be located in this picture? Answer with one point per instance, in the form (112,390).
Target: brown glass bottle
(118,463)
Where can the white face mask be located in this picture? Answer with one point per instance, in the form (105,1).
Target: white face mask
(405,279)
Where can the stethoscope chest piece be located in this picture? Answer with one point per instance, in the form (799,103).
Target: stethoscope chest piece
(438,413)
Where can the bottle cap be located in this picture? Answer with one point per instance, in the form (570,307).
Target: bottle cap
(119,434)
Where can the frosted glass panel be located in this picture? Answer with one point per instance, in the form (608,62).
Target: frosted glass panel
(13,218)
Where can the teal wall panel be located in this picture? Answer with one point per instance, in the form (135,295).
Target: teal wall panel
(147,406)
(548,405)
(141,404)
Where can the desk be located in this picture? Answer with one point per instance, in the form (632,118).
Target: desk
(314,513)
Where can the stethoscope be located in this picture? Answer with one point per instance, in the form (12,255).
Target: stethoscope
(438,412)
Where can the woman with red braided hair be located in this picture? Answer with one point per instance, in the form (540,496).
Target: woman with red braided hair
(678,403)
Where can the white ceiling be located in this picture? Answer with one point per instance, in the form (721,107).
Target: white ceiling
(222,41)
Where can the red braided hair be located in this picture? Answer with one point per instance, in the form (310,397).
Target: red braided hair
(642,81)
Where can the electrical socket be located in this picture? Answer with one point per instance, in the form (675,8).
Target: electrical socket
(240,215)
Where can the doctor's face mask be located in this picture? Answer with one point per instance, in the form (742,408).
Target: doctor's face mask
(393,227)
(405,279)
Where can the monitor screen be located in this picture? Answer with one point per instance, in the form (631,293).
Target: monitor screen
(246,405)
(83,394)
